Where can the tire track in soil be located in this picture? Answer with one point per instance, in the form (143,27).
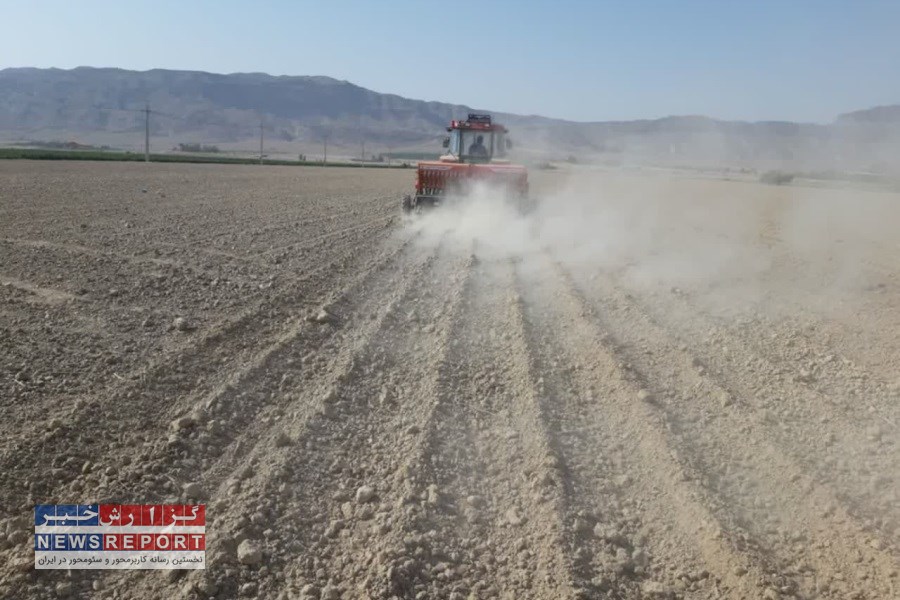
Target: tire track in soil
(198,221)
(798,341)
(138,260)
(318,239)
(277,259)
(359,312)
(354,439)
(262,307)
(551,477)
(259,456)
(848,451)
(218,223)
(657,532)
(257,397)
(757,485)
(395,563)
(53,296)
(271,254)
(873,366)
(37,294)
(235,339)
(604,538)
(772,350)
(827,374)
(280,229)
(77,249)
(831,426)
(477,480)
(28,404)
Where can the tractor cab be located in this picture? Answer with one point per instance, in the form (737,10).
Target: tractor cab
(476,153)
(476,140)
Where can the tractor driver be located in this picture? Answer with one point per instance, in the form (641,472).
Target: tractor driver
(477,148)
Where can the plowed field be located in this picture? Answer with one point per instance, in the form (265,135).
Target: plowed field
(651,387)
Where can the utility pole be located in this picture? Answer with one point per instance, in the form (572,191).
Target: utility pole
(260,141)
(146,112)
(325,154)
(362,154)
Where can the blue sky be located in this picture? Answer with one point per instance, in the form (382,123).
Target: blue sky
(755,60)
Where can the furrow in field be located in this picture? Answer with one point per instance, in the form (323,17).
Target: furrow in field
(126,370)
(165,386)
(480,478)
(75,253)
(357,438)
(254,430)
(607,540)
(846,451)
(756,484)
(690,539)
(815,368)
(280,225)
(278,381)
(322,238)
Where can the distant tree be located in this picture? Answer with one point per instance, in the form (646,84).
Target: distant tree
(776,177)
(190,147)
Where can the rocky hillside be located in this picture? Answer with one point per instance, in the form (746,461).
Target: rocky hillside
(91,105)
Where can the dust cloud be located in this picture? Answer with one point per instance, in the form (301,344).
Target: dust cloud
(733,243)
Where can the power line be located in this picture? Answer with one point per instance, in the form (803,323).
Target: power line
(260,141)
(147,112)
(147,133)
(137,110)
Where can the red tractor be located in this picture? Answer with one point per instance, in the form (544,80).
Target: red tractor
(476,153)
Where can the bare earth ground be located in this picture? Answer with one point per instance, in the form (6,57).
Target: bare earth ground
(653,388)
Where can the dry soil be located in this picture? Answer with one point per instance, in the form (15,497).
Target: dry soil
(652,387)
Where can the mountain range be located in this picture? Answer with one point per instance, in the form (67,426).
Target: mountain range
(298,113)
